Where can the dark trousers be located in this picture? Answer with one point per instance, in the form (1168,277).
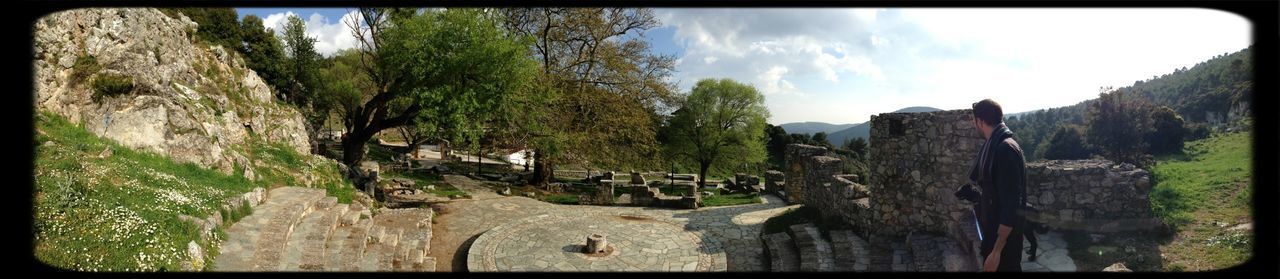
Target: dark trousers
(1011,256)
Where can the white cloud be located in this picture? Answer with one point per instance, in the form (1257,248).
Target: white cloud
(842,65)
(330,36)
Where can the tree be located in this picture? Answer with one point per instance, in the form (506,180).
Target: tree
(218,26)
(1167,132)
(1067,143)
(610,89)
(441,68)
(1118,123)
(777,145)
(820,138)
(859,147)
(263,52)
(301,62)
(721,122)
(302,83)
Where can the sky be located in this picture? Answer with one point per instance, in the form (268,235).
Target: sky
(843,65)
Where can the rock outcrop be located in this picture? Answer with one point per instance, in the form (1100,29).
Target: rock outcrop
(192,102)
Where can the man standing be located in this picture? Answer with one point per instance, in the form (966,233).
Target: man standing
(1001,172)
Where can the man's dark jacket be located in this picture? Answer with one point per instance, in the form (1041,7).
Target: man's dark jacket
(1003,179)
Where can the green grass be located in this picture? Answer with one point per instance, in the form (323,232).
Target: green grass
(1209,183)
(422,179)
(120,212)
(731,199)
(1208,175)
(560,198)
(381,154)
(280,165)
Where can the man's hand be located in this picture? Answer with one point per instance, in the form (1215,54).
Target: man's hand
(993,262)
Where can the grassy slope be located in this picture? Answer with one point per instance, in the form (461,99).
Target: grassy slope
(1209,184)
(119,213)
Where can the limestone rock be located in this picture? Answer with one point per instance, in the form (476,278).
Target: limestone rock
(192,103)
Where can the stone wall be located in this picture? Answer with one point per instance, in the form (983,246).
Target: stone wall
(917,160)
(1090,195)
(796,155)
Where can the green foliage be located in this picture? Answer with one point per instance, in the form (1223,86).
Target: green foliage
(1210,87)
(1167,133)
(454,71)
(110,85)
(721,121)
(777,145)
(1118,124)
(301,66)
(85,66)
(611,91)
(820,138)
(219,26)
(263,52)
(1067,143)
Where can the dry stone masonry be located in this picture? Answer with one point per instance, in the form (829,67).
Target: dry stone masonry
(917,161)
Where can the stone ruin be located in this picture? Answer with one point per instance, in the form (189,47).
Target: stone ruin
(917,160)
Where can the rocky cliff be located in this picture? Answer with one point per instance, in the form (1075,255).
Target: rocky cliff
(191,101)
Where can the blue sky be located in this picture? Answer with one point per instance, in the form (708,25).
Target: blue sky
(843,65)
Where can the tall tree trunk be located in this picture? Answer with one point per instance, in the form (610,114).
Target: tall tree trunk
(542,172)
(353,146)
(702,173)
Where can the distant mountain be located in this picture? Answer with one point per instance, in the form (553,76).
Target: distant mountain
(813,127)
(863,130)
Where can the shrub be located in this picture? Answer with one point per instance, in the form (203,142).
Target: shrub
(108,85)
(85,66)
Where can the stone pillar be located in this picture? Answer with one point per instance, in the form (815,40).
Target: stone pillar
(773,181)
(596,243)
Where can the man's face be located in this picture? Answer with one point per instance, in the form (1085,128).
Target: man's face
(977,126)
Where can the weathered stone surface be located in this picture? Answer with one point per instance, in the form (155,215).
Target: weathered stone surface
(1117,267)
(165,113)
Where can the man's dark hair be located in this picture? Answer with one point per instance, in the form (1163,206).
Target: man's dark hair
(989,111)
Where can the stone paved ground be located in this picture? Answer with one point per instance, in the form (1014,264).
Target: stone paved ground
(731,230)
(1051,256)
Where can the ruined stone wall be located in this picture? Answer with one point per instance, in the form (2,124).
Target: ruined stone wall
(835,195)
(796,155)
(1090,195)
(917,160)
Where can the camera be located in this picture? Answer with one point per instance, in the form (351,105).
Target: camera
(967,192)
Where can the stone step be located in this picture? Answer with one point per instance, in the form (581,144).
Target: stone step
(850,251)
(347,246)
(380,254)
(294,203)
(815,252)
(311,226)
(310,246)
(782,252)
(253,239)
(926,251)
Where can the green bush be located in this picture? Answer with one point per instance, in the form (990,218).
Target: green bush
(107,85)
(85,66)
